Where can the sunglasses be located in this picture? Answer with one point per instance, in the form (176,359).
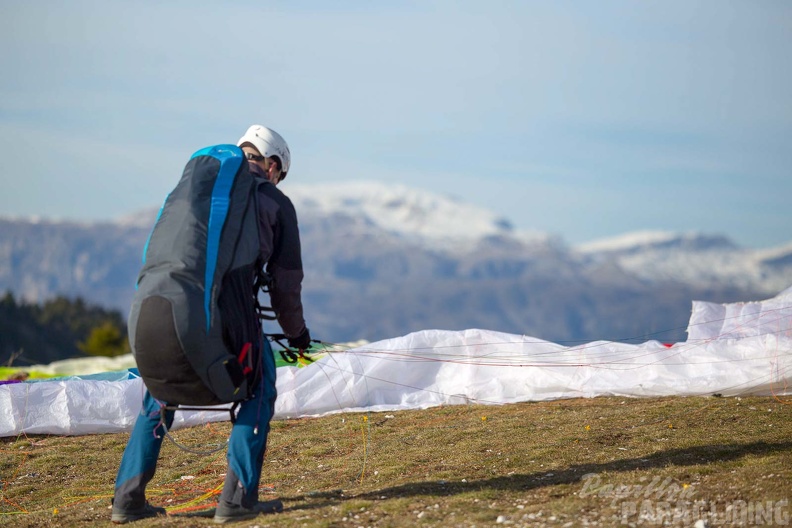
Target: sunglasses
(253,157)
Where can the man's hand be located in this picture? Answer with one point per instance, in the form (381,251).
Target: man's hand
(301,342)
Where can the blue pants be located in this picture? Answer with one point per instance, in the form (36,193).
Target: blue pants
(245,447)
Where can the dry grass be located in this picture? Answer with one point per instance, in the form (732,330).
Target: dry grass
(597,462)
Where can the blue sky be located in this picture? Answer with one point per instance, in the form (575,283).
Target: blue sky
(581,119)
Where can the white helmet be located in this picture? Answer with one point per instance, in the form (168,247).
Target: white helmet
(268,143)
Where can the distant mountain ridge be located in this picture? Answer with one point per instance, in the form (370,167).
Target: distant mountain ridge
(385,260)
(696,259)
(413,215)
(642,240)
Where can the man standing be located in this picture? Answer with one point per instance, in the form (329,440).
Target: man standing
(153,336)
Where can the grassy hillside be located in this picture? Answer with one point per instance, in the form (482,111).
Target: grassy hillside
(598,462)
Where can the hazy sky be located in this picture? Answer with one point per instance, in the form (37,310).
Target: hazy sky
(582,119)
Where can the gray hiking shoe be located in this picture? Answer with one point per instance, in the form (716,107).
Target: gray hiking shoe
(146,512)
(226,512)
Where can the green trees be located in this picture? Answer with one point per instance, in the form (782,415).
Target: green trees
(60,328)
(107,339)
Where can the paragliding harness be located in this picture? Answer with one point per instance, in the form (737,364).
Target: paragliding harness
(261,285)
(194,323)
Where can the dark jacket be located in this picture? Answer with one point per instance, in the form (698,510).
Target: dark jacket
(280,248)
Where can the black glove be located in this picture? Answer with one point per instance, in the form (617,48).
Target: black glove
(301,342)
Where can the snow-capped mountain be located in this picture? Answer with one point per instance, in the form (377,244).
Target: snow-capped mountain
(385,260)
(413,215)
(695,259)
(638,241)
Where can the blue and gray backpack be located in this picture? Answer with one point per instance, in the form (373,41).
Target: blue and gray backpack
(193,325)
